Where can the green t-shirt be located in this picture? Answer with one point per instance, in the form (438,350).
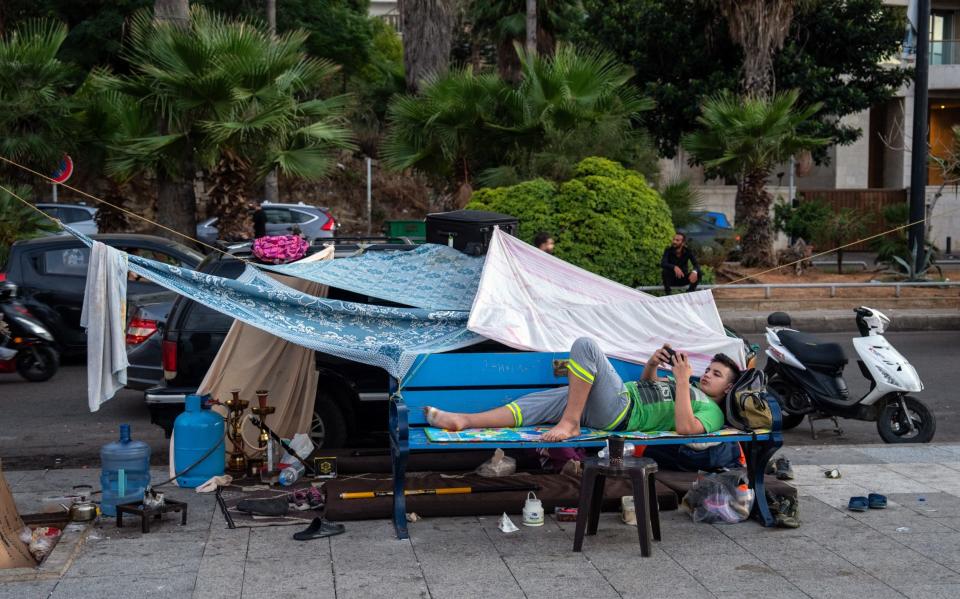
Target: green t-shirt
(653,407)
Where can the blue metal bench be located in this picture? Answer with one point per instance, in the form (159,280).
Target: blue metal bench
(474,382)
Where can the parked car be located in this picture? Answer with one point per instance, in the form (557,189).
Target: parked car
(314,222)
(148,317)
(51,274)
(79,216)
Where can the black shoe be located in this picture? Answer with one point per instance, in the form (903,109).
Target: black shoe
(783,469)
(319,529)
(789,514)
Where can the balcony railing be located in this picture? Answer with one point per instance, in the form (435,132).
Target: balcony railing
(944,52)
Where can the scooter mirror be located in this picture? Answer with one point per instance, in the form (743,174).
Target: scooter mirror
(779,319)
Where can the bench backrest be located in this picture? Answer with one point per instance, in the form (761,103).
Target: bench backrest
(474,382)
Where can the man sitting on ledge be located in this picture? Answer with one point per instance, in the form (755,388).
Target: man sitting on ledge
(597,398)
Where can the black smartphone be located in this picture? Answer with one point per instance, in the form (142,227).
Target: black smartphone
(670,353)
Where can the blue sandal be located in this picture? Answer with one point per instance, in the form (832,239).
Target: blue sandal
(876,501)
(858,504)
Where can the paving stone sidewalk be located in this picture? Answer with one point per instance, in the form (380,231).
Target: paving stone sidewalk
(911,549)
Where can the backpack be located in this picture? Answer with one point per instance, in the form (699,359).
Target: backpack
(746,406)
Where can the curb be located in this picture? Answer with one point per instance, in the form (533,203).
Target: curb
(842,321)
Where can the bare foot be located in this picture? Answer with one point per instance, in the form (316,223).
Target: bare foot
(445,420)
(561,432)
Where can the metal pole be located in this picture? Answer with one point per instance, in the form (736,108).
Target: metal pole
(918,161)
(54,193)
(369,198)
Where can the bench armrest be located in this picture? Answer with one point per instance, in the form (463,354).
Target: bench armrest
(399,423)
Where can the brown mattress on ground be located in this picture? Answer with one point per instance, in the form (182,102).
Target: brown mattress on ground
(680,483)
(555,490)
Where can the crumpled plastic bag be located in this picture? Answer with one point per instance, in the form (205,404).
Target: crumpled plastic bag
(506,524)
(498,465)
(722,497)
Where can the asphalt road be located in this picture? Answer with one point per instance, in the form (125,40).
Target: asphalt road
(49,424)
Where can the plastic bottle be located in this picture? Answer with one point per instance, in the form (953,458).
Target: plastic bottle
(195,432)
(291,474)
(125,471)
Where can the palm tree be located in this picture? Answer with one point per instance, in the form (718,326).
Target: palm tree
(107,118)
(36,127)
(463,125)
(760,28)
(445,131)
(745,138)
(566,107)
(235,102)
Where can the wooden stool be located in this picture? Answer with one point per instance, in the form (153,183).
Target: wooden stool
(595,473)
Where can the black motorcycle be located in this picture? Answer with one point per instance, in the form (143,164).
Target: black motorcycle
(26,346)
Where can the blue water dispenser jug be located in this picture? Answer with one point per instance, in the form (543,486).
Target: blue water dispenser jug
(125,471)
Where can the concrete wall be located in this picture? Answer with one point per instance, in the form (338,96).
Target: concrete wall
(853,160)
(945,218)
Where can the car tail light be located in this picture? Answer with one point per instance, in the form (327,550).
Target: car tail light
(168,358)
(140,330)
(3,277)
(22,310)
(330,225)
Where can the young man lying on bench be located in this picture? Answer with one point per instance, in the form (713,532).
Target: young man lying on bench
(597,398)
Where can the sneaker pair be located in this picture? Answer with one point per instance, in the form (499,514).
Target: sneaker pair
(785,510)
(781,468)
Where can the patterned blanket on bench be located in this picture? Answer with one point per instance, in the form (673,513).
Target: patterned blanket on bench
(533,433)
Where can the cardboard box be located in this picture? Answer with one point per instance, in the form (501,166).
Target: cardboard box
(13,551)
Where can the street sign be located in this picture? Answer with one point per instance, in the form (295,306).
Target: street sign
(64,170)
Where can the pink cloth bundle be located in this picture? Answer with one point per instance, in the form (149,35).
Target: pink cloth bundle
(280,249)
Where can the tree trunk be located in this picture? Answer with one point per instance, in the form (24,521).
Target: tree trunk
(271,188)
(531,27)
(176,204)
(272,16)
(172,11)
(752,196)
(760,28)
(427,36)
(508,63)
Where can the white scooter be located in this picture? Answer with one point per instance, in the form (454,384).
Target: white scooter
(806,374)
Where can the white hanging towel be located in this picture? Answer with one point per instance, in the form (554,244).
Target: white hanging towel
(531,300)
(104,315)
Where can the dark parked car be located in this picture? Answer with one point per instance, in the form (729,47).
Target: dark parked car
(51,275)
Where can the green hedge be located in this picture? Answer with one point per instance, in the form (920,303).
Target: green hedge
(605,219)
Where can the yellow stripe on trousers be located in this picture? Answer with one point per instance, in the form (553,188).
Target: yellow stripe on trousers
(580,372)
(517,414)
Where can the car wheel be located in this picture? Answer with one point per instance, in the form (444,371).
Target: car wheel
(328,428)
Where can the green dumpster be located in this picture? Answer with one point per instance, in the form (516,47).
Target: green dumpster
(415,230)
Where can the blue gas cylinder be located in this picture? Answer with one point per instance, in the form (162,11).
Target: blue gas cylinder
(125,471)
(195,432)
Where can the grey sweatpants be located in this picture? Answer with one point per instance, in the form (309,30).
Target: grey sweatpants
(606,405)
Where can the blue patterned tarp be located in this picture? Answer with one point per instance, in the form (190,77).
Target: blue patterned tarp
(431,276)
(388,337)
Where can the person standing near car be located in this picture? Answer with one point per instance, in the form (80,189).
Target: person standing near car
(259,220)
(679,266)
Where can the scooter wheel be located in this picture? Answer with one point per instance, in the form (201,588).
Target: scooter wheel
(893,426)
(38,363)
